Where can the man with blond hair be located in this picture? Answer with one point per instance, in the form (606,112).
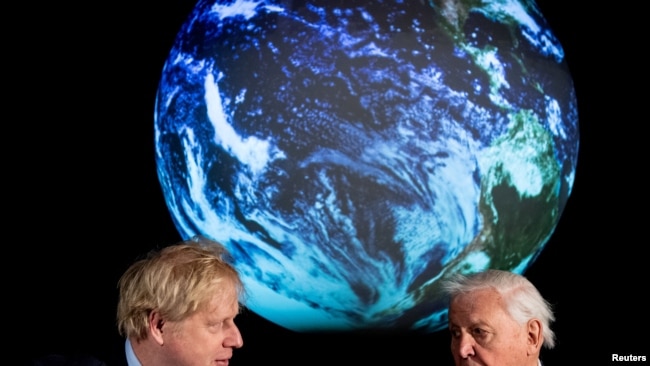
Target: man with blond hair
(178,306)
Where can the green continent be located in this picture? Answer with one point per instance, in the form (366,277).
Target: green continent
(519,192)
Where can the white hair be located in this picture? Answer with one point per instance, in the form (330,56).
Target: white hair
(523,300)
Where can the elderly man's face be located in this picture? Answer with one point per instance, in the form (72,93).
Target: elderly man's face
(483,333)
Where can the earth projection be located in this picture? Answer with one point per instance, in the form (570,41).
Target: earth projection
(353,154)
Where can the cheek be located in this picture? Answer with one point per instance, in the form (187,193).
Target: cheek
(191,340)
(513,343)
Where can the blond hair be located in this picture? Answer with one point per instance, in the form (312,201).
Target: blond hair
(176,281)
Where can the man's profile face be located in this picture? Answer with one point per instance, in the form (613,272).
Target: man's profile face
(207,337)
(483,333)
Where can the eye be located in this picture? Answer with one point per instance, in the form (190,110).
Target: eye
(479,333)
(216,325)
(455,333)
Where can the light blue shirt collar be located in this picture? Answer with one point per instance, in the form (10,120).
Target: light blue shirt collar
(131,360)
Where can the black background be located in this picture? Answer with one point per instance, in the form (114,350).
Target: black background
(83,200)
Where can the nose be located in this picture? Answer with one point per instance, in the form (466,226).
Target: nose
(234,338)
(464,345)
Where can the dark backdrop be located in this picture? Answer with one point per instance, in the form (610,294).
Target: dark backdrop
(84,199)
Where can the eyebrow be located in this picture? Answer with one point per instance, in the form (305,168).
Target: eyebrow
(473,324)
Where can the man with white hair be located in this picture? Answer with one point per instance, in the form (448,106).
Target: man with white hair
(497,318)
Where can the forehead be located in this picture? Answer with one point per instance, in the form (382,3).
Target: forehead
(481,306)
(224,300)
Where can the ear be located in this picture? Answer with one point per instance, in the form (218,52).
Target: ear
(535,336)
(156,324)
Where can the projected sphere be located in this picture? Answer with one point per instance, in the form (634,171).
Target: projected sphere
(352,154)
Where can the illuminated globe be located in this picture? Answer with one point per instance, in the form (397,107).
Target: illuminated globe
(352,154)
